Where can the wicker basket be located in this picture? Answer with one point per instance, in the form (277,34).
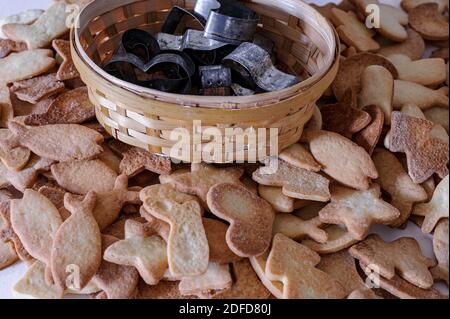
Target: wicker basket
(306,45)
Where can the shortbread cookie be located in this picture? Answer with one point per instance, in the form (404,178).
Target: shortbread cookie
(296,182)
(250,218)
(427,72)
(37,61)
(67,70)
(411,4)
(187,246)
(117,281)
(72,107)
(50,25)
(77,244)
(147,254)
(9,46)
(8,254)
(295,266)
(325,10)
(440,246)
(436,209)
(342,267)
(163,290)
(219,252)
(216,279)
(351,70)
(338,239)
(427,21)
(392,20)
(37,88)
(438,116)
(352,31)
(202,177)
(6,108)
(351,166)
(280,202)
(414,46)
(315,123)
(81,177)
(425,155)
(299,156)
(377,88)
(358,210)
(296,228)
(402,257)
(396,181)
(368,138)
(58,142)
(24,17)
(56,196)
(16,158)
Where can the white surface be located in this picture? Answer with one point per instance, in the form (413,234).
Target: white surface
(11,275)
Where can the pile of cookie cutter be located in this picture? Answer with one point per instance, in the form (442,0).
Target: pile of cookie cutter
(225,57)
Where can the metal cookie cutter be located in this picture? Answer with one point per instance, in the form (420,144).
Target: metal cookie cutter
(141,44)
(231,22)
(192,39)
(176,15)
(250,58)
(215,76)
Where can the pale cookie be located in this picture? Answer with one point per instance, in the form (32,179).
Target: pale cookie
(425,155)
(6,107)
(33,284)
(164,290)
(338,239)
(37,62)
(259,264)
(414,46)
(299,156)
(325,10)
(81,177)
(392,20)
(436,209)
(136,160)
(315,123)
(67,70)
(377,88)
(147,254)
(187,246)
(56,196)
(280,202)
(58,142)
(358,210)
(352,31)
(369,137)
(295,266)
(396,181)
(402,288)
(216,279)
(27,176)
(50,25)
(402,256)
(438,116)
(351,70)
(24,17)
(117,281)
(219,252)
(342,267)
(296,228)
(77,244)
(246,284)
(351,165)
(9,46)
(202,177)
(250,218)
(407,5)
(427,20)
(35,220)
(440,246)
(72,107)
(427,72)
(8,254)
(109,157)
(16,158)
(37,88)
(296,182)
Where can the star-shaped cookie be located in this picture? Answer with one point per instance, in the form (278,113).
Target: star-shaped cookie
(358,210)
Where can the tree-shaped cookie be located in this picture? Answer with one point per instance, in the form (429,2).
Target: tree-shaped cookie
(77,246)
(436,209)
(402,256)
(295,266)
(358,210)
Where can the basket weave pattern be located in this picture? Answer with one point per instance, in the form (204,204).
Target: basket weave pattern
(306,46)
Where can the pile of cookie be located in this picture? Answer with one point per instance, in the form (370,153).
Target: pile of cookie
(90,215)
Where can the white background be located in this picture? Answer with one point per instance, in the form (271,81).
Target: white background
(12,274)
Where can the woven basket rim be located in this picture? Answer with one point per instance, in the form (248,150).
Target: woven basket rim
(203,101)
